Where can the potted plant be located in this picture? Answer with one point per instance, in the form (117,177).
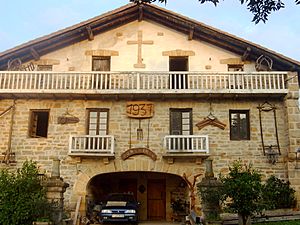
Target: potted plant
(179,208)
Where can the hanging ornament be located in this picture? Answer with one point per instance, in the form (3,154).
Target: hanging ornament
(139,132)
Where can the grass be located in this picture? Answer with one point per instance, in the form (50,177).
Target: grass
(291,222)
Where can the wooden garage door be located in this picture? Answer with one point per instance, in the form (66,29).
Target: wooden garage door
(156,199)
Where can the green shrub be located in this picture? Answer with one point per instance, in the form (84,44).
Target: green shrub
(22,197)
(242,188)
(278,194)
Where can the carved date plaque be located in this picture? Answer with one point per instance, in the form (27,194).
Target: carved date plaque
(140,109)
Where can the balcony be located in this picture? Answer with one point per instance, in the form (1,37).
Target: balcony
(186,147)
(92,145)
(89,85)
(186,144)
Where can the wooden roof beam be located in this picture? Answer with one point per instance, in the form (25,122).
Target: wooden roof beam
(246,54)
(90,33)
(34,53)
(141,13)
(191,34)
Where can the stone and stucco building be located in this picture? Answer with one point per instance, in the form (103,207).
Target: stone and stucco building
(120,101)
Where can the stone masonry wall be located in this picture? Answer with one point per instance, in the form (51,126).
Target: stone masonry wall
(77,172)
(293,132)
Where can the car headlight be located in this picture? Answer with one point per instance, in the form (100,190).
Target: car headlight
(106,211)
(130,211)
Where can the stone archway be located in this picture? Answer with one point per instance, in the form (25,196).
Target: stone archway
(157,192)
(87,170)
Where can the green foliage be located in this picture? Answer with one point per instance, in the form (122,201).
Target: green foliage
(22,197)
(211,192)
(178,206)
(278,194)
(261,9)
(242,189)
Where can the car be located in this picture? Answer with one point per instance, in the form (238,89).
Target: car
(119,207)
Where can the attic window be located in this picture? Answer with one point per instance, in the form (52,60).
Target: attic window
(235,67)
(101,63)
(44,67)
(38,126)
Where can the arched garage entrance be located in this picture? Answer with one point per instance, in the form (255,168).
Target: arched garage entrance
(158,193)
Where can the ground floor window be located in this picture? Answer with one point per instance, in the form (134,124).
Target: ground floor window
(239,125)
(38,126)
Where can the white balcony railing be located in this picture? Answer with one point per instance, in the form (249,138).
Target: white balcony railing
(186,143)
(142,82)
(90,145)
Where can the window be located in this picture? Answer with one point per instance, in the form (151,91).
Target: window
(181,125)
(97,122)
(44,67)
(101,80)
(235,67)
(97,128)
(181,121)
(39,120)
(239,125)
(101,63)
(178,80)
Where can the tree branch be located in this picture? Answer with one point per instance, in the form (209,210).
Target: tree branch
(261,9)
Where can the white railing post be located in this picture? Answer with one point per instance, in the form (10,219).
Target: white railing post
(138,81)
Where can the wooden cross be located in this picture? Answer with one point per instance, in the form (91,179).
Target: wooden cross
(140,42)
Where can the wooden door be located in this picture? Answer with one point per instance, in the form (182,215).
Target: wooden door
(101,81)
(178,80)
(156,200)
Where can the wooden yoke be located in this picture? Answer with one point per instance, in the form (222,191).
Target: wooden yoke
(191,187)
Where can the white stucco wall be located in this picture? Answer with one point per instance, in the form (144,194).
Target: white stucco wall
(164,39)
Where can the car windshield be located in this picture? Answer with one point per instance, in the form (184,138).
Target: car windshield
(121,197)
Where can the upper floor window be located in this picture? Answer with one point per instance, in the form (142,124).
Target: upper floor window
(178,80)
(235,67)
(38,125)
(44,67)
(101,63)
(239,125)
(181,122)
(97,122)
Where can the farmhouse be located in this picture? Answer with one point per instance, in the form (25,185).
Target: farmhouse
(136,99)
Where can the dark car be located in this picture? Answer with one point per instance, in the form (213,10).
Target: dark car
(119,207)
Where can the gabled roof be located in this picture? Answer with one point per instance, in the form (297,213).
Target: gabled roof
(131,12)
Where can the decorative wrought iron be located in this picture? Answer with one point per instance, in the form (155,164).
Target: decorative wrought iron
(271,151)
(263,63)
(17,65)
(297,158)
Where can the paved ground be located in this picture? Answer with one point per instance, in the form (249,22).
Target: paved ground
(159,222)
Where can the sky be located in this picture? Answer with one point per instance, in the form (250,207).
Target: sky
(25,20)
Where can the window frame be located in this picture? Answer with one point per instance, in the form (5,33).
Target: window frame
(32,128)
(98,110)
(235,67)
(181,110)
(94,58)
(239,137)
(42,67)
